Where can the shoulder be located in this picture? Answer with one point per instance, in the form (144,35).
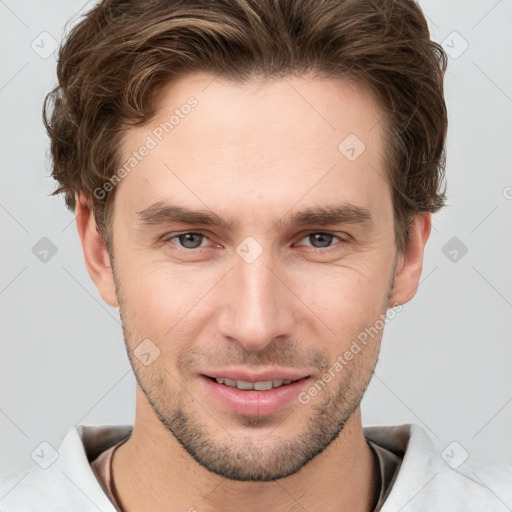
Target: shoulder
(441,476)
(68,482)
(37,490)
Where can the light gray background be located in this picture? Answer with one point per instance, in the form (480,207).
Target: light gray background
(446,358)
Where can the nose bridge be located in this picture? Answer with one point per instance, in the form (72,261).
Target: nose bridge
(256,309)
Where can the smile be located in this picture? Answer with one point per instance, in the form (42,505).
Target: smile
(258,386)
(256,398)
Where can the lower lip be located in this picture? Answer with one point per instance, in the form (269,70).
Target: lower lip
(251,402)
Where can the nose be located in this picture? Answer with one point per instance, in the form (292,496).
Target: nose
(257,306)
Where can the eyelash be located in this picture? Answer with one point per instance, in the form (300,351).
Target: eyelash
(169,237)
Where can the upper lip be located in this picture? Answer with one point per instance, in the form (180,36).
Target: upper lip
(256,376)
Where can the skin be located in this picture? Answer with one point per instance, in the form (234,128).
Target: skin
(254,154)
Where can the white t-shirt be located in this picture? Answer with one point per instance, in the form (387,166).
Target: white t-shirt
(430,478)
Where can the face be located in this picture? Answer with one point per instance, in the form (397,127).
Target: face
(251,249)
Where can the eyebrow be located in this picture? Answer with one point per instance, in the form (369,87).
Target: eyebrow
(162,213)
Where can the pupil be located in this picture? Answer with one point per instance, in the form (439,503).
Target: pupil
(324,239)
(187,240)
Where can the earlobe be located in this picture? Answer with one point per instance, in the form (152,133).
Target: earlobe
(96,256)
(410,263)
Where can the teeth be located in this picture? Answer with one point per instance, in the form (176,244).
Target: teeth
(258,386)
(263,386)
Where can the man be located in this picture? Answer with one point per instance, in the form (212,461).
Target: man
(253,183)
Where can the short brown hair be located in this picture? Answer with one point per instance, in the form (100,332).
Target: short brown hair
(117,58)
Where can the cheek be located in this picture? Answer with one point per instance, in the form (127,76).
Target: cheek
(347,300)
(160,298)
(171,303)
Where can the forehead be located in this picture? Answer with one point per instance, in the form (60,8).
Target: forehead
(265,144)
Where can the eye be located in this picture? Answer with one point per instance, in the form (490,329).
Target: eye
(188,240)
(193,240)
(321,240)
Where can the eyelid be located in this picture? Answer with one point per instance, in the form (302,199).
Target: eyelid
(323,249)
(173,234)
(169,236)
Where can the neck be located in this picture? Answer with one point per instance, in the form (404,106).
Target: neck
(152,471)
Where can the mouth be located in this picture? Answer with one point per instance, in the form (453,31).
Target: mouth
(254,395)
(263,385)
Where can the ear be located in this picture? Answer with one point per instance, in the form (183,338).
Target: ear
(97,259)
(410,263)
